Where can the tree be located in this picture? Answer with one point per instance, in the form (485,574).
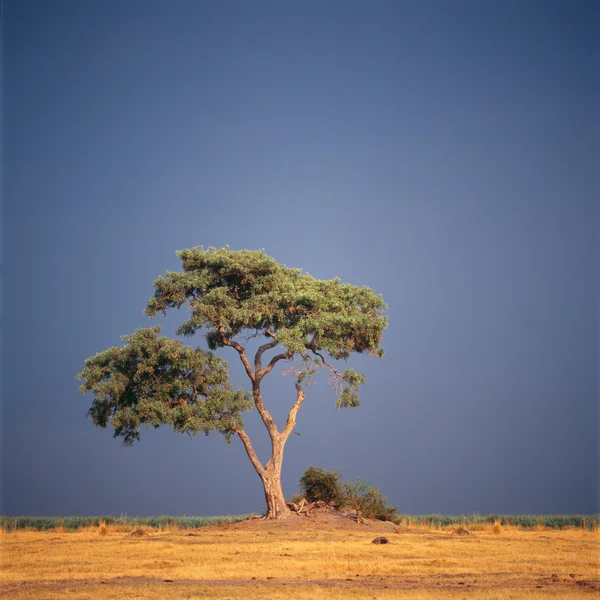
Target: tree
(154,381)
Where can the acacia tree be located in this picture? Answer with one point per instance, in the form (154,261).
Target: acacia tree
(233,296)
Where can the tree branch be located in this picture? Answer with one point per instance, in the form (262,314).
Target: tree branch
(240,350)
(265,415)
(284,356)
(250,451)
(291,420)
(259,353)
(258,370)
(331,367)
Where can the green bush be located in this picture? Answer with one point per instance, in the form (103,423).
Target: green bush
(369,502)
(318,484)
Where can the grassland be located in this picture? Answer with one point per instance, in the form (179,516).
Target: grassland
(300,558)
(435,521)
(10,524)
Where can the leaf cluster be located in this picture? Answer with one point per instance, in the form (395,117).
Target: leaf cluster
(229,292)
(318,484)
(153,380)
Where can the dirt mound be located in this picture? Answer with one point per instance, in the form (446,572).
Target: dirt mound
(320,517)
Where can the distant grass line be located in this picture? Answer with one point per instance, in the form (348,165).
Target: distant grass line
(74,523)
(589,522)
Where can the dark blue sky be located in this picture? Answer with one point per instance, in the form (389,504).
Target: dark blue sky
(443,153)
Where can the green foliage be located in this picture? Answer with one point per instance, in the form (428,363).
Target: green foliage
(317,484)
(348,396)
(232,291)
(233,296)
(74,523)
(153,380)
(369,502)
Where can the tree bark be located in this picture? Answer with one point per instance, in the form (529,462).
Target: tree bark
(271,478)
(276,505)
(270,475)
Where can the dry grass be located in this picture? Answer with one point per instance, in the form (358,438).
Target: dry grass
(167,592)
(224,562)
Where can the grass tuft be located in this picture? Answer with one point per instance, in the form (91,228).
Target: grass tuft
(102,528)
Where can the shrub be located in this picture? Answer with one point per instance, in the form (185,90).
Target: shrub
(369,502)
(317,484)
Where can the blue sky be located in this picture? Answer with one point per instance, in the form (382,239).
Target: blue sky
(444,154)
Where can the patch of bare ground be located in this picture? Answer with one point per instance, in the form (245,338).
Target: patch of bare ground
(320,517)
(437,581)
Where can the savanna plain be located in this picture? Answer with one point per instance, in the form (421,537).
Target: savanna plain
(319,556)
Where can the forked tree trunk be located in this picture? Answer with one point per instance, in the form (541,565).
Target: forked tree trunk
(270,474)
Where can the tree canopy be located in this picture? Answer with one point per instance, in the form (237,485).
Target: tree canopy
(153,380)
(228,292)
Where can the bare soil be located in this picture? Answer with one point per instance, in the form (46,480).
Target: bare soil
(438,581)
(322,518)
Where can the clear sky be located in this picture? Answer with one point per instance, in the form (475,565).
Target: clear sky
(443,153)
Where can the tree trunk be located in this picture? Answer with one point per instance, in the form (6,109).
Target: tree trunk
(270,473)
(276,505)
(271,478)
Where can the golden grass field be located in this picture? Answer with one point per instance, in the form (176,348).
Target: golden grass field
(300,558)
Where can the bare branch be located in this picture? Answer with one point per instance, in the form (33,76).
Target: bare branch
(259,353)
(265,415)
(257,333)
(250,451)
(324,362)
(240,350)
(284,356)
(291,420)
(258,370)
